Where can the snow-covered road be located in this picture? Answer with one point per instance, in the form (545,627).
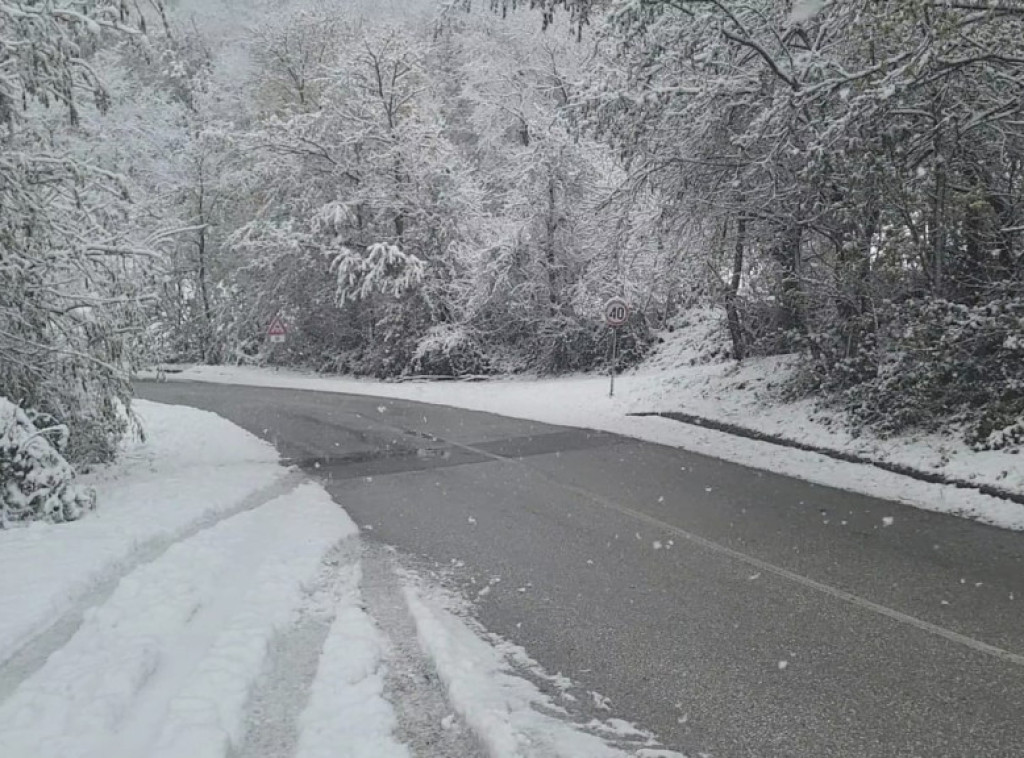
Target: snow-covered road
(214,606)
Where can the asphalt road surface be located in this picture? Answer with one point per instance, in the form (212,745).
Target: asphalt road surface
(734,612)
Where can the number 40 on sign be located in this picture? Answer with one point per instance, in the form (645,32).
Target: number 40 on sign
(616,312)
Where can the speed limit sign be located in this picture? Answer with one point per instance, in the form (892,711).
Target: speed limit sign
(616,312)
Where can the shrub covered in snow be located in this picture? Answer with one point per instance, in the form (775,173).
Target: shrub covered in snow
(928,362)
(36,482)
(696,336)
(450,350)
(568,343)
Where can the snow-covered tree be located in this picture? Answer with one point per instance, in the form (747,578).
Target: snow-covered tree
(72,260)
(845,154)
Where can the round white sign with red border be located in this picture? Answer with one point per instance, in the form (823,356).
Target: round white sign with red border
(616,312)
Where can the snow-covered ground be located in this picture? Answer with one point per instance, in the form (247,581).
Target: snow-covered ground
(683,375)
(194,469)
(213,606)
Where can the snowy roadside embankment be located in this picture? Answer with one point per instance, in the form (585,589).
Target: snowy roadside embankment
(164,667)
(194,468)
(742,395)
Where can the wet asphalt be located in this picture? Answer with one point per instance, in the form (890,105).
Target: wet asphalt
(736,613)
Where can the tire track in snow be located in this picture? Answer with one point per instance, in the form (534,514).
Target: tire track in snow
(281,693)
(281,709)
(31,656)
(427,722)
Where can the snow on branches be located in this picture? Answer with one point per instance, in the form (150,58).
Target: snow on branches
(44,51)
(70,270)
(382,268)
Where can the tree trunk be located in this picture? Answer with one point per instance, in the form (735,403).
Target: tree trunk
(787,253)
(937,233)
(739,347)
(202,273)
(550,257)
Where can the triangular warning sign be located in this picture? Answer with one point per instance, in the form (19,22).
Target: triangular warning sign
(277,328)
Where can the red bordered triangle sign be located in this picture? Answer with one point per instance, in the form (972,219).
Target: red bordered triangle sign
(277,330)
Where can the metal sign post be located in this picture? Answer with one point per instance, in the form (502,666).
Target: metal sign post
(615,357)
(616,313)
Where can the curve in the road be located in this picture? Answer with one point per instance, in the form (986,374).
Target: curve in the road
(852,638)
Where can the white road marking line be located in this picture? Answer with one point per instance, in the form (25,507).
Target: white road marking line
(825,589)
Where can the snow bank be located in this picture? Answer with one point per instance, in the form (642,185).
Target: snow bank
(509,714)
(210,549)
(744,395)
(194,466)
(173,653)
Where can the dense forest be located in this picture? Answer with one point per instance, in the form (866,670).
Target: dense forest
(449,188)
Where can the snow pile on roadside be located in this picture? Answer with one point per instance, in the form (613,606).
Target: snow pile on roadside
(718,391)
(194,467)
(508,713)
(167,662)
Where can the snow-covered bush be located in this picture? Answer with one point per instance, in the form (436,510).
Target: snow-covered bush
(567,343)
(36,482)
(929,362)
(449,350)
(382,267)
